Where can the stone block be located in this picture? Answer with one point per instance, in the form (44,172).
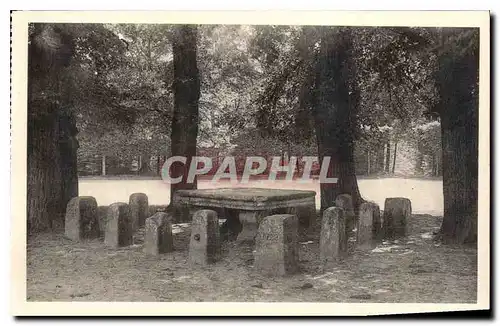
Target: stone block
(344,201)
(158,238)
(397,211)
(369,226)
(118,226)
(81,220)
(138,203)
(333,236)
(276,245)
(204,245)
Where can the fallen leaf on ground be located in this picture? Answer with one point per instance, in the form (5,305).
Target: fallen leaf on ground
(361,296)
(306,286)
(79,295)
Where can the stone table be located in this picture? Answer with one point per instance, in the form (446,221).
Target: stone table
(251,205)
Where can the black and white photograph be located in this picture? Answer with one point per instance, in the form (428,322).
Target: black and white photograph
(262,162)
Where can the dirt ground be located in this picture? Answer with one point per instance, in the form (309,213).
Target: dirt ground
(413,269)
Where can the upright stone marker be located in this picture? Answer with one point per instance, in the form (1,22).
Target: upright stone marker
(204,246)
(276,245)
(344,201)
(396,213)
(158,237)
(118,226)
(306,215)
(81,220)
(378,222)
(138,203)
(333,236)
(369,226)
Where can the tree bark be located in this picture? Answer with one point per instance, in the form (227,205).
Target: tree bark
(334,109)
(51,131)
(44,173)
(380,158)
(52,170)
(145,169)
(103,165)
(184,130)
(368,162)
(388,157)
(434,165)
(457,81)
(459,185)
(158,165)
(438,165)
(419,162)
(394,157)
(68,146)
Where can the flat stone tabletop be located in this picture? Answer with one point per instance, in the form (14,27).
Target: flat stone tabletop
(247,194)
(251,203)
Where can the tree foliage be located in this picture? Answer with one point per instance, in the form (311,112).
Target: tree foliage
(65,65)
(135,90)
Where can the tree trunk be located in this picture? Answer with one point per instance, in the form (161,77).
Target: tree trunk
(334,107)
(419,162)
(44,173)
(68,146)
(341,167)
(184,131)
(52,175)
(387,167)
(52,170)
(103,165)
(457,81)
(434,165)
(394,157)
(144,164)
(158,165)
(459,184)
(438,165)
(380,158)
(368,162)
(297,166)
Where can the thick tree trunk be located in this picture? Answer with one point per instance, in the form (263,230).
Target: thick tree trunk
(334,110)
(68,146)
(184,131)
(341,167)
(459,184)
(52,169)
(44,173)
(52,177)
(457,82)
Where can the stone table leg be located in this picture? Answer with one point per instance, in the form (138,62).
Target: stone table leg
(306,215)
(250,223)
